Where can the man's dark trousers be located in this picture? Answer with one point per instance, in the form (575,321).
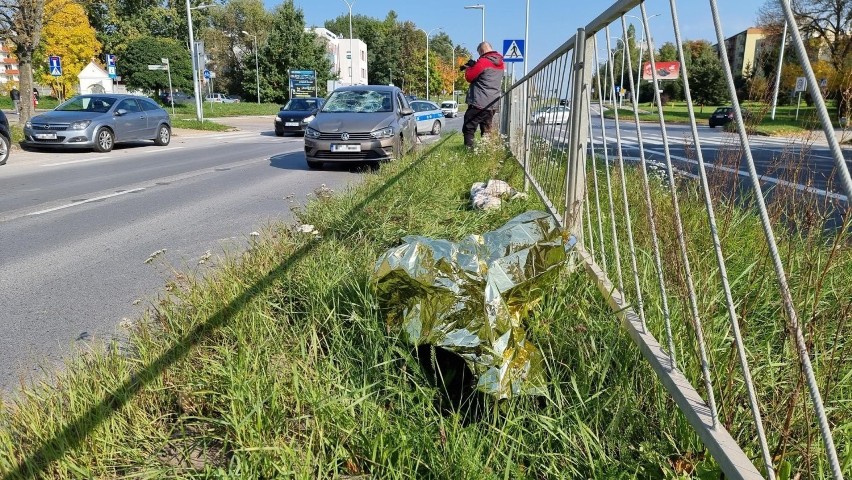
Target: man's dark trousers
(474,118)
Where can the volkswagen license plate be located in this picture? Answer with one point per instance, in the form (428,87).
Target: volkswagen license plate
(291,124)
(345,148)
(45,136)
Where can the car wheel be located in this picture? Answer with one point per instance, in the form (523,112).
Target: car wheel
(712,125)
(436,128)
(104,140)
(313,164)
(164,136)
(4,150)
(279,134)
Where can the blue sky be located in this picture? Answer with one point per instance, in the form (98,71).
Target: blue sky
(552,22)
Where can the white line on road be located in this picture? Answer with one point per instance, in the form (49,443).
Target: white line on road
(90,200)
(94,159)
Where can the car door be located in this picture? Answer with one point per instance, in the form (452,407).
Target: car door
(131,122)
(406,123)
(155,117)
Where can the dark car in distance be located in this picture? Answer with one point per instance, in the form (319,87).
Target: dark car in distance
(725,115)
(179,97)
(5,138)
(296,115)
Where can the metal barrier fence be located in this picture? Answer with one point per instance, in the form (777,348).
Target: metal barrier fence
(576,160)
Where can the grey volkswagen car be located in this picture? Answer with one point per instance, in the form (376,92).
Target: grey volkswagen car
(360,123)
(99,121)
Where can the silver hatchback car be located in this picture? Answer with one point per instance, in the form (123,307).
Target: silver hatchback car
(99,121)
(361,123)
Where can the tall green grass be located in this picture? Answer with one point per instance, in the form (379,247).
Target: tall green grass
(279,364)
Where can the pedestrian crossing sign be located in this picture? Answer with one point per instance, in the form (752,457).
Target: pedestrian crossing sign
(513,50)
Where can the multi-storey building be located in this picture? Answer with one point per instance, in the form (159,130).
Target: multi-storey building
(743,49)
(350,69)
(9,71)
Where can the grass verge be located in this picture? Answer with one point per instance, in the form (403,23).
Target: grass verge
(761,123)
(208,125)
(280,364)
(228,109)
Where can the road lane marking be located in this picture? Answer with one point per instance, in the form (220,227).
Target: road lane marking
(83,202)
(94,159)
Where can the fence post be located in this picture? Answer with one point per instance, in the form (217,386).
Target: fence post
(575,181)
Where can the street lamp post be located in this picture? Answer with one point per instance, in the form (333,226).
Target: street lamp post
(199,115)
(478,6)
(778,73)
(351,52)
(428,34)
(256,66)
(641,45)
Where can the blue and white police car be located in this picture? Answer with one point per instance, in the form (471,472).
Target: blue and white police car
(429,117)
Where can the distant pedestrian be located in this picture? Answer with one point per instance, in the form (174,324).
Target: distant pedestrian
(15,95)
(485,76)
(35,97)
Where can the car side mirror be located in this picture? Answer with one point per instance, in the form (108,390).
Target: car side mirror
(315,112)
(281,109)
(406,112)
(120,112)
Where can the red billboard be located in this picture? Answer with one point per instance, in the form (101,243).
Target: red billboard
(665,71)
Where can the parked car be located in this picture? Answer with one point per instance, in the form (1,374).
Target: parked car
(296,115)
(450,108)
(5,139)
(411,98)
(233,99)
(360,123)
(552,114)
(725,115)
(217,98)
(429,117)
(180,98)
(99,121)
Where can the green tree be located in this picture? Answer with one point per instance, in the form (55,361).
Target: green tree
(21,22)
(289,48)
(231,52)
(707,80)
(144,51)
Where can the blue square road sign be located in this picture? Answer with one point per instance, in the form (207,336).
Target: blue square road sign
(513,50)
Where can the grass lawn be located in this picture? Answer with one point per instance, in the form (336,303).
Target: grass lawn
(785,122)
(279,363)
(227,109)
(192,123)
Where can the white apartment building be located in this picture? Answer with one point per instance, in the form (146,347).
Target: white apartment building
(8,65)
(351,69)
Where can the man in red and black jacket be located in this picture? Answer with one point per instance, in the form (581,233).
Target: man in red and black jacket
(485,76)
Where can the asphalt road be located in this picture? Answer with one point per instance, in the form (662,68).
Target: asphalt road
(77,227)
(802,162)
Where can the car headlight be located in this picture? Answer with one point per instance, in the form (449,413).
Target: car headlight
(29,124)
(308,119)
(277,119)
(79,124)
(311,133)
(386,132)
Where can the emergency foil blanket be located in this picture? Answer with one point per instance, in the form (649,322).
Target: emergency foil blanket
(471,297)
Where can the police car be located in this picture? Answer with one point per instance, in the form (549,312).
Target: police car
(429,117)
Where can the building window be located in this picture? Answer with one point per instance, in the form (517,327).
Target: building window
(362,54)
(350,72)
(363,73)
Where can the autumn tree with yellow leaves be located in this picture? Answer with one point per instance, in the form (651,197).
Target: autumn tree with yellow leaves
(68,35)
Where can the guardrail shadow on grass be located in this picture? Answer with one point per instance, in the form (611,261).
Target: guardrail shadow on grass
(75,432)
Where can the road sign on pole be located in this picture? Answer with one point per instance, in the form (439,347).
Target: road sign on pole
(110,64)
(207,74)
(801,84)
(55,64)
(158,67)
(513,50)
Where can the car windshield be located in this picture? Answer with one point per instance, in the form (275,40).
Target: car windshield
(300,105)
(87,104)
(359,101)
